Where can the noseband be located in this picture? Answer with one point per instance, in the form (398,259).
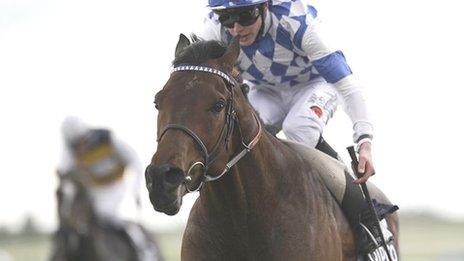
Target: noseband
(226,132)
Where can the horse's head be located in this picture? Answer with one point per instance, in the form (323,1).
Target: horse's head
(75,210)
(198,110)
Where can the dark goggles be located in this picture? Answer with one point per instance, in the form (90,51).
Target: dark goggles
(244,16)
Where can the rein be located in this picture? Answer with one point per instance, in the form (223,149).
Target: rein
(226,132)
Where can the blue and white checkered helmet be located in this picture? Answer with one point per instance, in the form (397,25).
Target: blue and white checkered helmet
(225,4)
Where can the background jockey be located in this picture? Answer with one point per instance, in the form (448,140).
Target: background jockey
(296,79)
(104,161)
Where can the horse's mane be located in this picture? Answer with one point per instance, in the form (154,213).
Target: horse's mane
(199,52)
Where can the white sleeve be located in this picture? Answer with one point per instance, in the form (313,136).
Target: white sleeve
(332,65)
(355,107)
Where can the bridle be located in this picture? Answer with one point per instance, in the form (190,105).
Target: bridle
(224,137)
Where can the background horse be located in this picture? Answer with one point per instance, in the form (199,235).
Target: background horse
(83,236)
(268,200)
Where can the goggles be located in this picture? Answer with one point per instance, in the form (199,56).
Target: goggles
(244,16)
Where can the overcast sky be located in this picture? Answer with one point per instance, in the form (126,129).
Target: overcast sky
(104,60)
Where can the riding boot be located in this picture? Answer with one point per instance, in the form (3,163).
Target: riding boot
(356,210)
(367,234)
(362,221)
(323,146)
(370,236)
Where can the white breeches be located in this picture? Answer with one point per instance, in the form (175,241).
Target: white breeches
(300,112)
(107,199)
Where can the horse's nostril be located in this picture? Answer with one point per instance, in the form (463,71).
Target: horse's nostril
(169,175)
(174,176)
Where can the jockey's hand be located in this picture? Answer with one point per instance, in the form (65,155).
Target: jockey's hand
(365,166)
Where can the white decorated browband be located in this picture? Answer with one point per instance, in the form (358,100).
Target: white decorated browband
(203,69)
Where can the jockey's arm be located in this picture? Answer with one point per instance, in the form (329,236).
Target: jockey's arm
(335,70)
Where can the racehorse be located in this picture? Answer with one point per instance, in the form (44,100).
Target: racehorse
(84,236)
(260,198)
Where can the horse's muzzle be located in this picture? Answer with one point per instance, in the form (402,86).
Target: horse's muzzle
(163,184)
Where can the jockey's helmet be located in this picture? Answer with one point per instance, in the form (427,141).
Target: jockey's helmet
(73,129)
(226,4)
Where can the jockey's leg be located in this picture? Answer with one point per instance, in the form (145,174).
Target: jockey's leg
(312,109)
(305,123)
(270,108)
(323,146)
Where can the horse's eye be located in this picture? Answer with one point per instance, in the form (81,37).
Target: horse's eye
(218,106)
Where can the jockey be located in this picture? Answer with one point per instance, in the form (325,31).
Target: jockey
(296,79)
(104,161)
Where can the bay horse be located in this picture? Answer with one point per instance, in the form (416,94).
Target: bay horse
(82,235)
(260,198)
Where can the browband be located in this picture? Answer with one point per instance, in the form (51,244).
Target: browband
(199,68)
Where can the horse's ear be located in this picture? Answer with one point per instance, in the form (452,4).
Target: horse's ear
(230,56)
(182,43)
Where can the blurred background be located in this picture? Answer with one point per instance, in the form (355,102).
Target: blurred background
(104,60)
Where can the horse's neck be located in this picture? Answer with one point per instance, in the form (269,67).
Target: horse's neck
(269,174)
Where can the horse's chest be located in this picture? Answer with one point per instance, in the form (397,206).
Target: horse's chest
(245,242)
